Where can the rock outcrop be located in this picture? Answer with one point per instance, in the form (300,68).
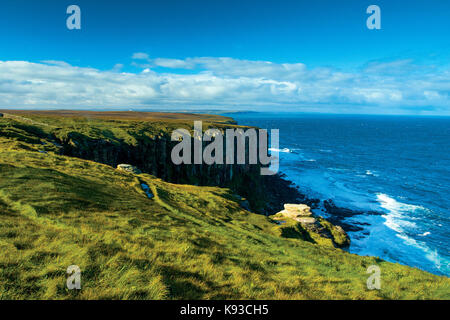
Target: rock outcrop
(128,168)
(297,221)
(296,211)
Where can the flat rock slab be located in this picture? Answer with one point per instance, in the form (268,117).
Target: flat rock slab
(306,220)
(295,211)
(128,168)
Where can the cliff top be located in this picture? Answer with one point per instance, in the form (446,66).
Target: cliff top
(113,125)
(122,115)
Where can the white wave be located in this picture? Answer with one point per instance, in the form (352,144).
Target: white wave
(338,169)
(431,255)
(397,220)
(371,173)
(397,217)
(391,204)
(285,150)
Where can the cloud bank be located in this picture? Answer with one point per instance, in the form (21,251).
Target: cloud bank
(399,86)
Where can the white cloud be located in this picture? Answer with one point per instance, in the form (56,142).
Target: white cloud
(117,67)
(379,87)
(56,63)
(173,63)
(140,56)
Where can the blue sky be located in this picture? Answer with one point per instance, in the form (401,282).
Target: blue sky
(314,56)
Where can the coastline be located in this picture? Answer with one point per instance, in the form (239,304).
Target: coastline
(164,240)
(363,197)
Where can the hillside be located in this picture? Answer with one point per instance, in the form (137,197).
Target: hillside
(59,207)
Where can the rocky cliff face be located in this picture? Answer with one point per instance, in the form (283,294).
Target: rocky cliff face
(153,156)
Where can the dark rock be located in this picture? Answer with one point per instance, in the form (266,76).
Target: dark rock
(245,205)
(344,212)
(337,211)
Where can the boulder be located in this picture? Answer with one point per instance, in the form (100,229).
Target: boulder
(294,211)
(128,168)
(244,204)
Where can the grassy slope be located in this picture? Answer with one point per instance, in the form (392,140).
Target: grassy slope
(188,242)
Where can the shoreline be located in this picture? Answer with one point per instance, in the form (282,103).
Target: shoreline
(374,226)
(337,214)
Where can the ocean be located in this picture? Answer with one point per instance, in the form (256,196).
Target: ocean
(396,165)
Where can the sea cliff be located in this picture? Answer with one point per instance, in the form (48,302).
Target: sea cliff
(150,230)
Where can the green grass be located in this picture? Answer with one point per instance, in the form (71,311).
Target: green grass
(187,243)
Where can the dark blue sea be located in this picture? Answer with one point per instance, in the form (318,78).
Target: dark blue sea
(397,165)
